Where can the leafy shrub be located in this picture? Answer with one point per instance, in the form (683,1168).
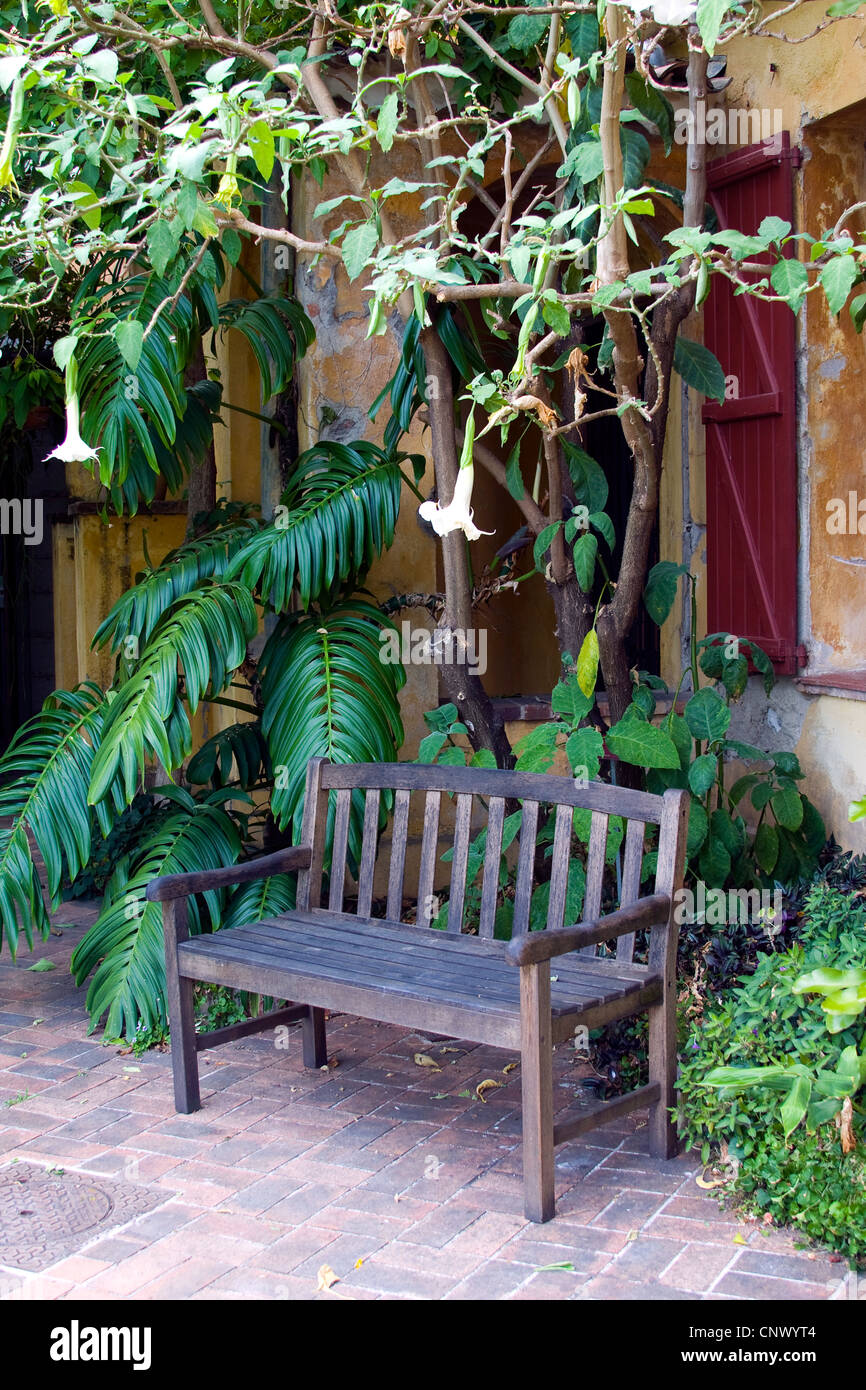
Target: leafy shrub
(803,1178)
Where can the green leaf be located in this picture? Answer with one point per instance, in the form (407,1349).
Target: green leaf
(644,745)
(341,508)
(650,103)
(358,246)
(231,244)
(590,484)
(260,139)
(587,663)
(699,368)
(714,863)
(124,950)
(587,161)
(103,64)
(795,1104)
(526,30)
(327,692)
(790,279)
(86,203)
(837,277)
(707,716)
(64,350)
(661,589)
(774,229)
(513,474)
(42,965)
(543,542)
(162,245)
(585,553)
(602,522)
(702,774)
(709,17)
(766,846)
(787,807)
(556,316)
(387,121)
(698,827)
(584,750)
(128,334)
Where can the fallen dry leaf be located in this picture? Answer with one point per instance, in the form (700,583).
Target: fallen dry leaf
(713,1182)
(846,1127)
(358,1264)
(422,1060)
(508,1068)
(740,1240)
(488,1085)
(326,1278)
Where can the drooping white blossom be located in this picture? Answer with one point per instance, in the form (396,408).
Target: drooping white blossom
(458,515)
(73,449)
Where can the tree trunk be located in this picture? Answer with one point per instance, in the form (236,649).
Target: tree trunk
(201,493)
(463,686)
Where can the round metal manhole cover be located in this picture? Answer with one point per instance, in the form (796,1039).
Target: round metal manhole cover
(50,1208)
(47,1215)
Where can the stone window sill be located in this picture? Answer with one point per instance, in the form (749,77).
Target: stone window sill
(845,685)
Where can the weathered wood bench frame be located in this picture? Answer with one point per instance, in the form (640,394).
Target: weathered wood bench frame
(462,985)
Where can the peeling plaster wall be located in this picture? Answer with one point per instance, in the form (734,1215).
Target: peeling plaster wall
(338,380)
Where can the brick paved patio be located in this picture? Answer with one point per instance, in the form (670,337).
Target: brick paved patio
(380,1170)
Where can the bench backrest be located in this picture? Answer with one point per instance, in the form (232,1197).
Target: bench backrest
(328,811)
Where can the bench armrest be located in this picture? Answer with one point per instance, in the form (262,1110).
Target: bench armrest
(539,946)
(283,861)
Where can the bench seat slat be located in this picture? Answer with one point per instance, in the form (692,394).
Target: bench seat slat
(301,951)
(413,963)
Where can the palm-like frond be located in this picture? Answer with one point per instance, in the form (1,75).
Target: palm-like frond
(343,501)
(120,406)
(240,746)
(137,612)
(278,332)
(204,635)
(44,776)
(251,902)
(326,691)
(193,438)
(125,945)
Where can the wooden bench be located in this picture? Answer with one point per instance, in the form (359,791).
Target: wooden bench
(449,982)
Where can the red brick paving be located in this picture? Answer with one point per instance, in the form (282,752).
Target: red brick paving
(377,1168)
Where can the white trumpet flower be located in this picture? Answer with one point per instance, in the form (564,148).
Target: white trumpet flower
(73,449)
(457,516)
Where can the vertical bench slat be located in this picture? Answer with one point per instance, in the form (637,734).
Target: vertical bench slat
(338,855)
(559,871)
(492,854)
(525,865)
(594,872)
(399,836)
(429,844)
(368,851)
(631,867)
(457,894)
(313,832)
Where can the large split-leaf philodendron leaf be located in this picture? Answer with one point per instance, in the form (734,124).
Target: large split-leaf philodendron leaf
(339,512)
(44,777)
(327,691)
(138,610)
(204,635)
(124,947)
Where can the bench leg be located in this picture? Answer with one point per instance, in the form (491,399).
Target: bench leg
(314,1043)
(181,1015)
(537,1089)
(663,1072)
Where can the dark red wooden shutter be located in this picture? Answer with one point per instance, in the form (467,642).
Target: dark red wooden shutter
(751,438)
